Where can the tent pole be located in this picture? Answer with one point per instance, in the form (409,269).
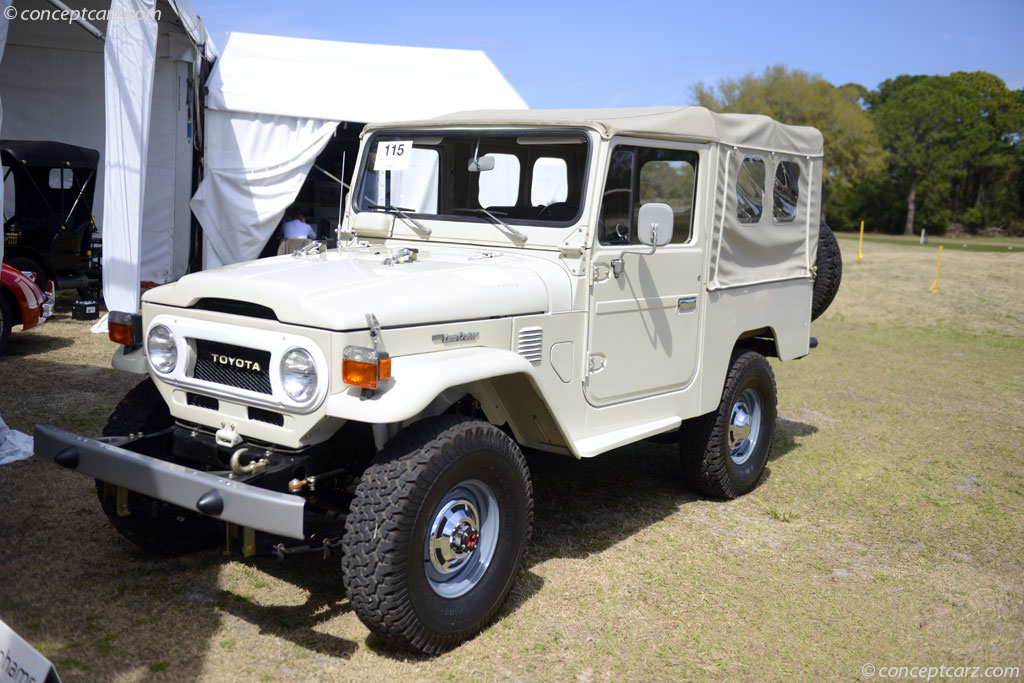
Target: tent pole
(77,18)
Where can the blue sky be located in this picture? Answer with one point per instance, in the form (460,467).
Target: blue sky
(647,52)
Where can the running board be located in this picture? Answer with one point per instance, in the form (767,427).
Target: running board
(595,445)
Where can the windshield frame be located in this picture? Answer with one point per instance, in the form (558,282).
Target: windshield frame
(482,133)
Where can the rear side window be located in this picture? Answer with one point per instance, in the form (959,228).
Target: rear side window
(750,190)
(61,178)
(787,191)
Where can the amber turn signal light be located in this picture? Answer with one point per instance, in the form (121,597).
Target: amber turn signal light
(125,328)
(363,367)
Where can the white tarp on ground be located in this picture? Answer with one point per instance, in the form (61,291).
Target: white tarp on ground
(14,445)
(274,102)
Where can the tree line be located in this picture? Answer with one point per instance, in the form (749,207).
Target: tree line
(935,152)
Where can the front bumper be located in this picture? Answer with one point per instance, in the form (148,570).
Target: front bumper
(249,506)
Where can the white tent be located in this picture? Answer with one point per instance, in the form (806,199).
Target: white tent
(52,84)
(274,103)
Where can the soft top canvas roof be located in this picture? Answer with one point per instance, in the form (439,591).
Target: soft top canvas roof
(46,153)
(335,81)
(691,123)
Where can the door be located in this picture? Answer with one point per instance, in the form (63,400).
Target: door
(645,322)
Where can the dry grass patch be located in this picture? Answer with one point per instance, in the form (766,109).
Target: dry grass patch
(887,529)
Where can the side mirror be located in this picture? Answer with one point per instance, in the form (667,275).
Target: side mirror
(484,163)
(655,224)
(654,229)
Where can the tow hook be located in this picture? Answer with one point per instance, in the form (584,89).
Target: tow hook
(254,467)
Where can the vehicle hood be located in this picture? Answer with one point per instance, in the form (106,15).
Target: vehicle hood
(335,291)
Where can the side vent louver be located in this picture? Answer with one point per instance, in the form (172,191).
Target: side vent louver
(531,344)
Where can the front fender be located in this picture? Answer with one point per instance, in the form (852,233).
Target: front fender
(417,380)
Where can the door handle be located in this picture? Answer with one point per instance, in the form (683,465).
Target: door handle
(687,304)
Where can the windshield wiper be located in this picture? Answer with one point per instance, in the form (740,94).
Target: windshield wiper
(403,214)
(518,234)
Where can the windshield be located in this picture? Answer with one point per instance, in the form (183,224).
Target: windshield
(525,178)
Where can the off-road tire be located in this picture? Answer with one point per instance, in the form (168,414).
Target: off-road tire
(6,320)
(829,271)
(704,449)
(153,525)
(397,500)
(24,263)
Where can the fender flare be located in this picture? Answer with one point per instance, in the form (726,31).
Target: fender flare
(417,380)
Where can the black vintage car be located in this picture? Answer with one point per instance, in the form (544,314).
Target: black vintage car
(48,227)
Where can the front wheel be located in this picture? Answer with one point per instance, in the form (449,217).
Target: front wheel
(437,532)
(724,453)
(153,525)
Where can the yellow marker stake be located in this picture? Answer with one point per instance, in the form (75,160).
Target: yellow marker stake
(935,285)
(860,245)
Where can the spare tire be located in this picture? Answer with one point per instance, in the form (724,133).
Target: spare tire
(829,274)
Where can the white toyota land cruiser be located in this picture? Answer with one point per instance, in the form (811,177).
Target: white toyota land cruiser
(566,281)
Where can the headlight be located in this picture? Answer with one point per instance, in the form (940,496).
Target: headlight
(298,375)
(161,349)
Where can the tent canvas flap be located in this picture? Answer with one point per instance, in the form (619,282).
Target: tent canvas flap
(129,61)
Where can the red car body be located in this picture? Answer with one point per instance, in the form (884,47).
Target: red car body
(24,302)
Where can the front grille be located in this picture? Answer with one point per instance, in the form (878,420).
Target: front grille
(243,308)
(235,366)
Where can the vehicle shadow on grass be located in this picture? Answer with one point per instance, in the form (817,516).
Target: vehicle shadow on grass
(586,506)
(321,579)
(787,435)
(31,343)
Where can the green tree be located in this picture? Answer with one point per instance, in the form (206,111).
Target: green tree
(929,125)
(853,154)
(984,193)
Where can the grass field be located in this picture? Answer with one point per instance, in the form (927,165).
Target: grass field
(887,531)
(1007,244)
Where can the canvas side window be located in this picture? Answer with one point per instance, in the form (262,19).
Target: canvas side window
(500,185)
(750,190)
(61,178)
(787,191)
(669,176)
(550,183)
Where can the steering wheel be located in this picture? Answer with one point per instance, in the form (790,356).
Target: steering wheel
(559,211)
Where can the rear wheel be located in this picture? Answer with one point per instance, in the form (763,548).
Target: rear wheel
(829,271)
(724,453)
(153,525)
(437,533)
(29,265)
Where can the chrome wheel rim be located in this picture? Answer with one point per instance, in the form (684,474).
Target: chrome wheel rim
(744,426)
(461,539)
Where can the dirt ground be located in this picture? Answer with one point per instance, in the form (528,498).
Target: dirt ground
(886,531)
